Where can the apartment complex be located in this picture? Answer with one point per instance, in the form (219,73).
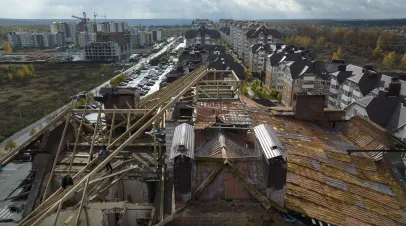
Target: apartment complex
(146,38)
(202,36)
(35,40)
(353,83)
(251,40)
(68,29)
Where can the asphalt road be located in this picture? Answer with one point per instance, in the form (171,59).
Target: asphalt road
(24,134)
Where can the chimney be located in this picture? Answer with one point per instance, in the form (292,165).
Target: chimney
(342,67)
(368,67)
(394,89)
(309,107)
(381,93)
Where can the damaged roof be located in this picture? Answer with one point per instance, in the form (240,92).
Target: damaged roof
(227,112)
(325,183)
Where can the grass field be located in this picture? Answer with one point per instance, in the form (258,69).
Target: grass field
(35,97)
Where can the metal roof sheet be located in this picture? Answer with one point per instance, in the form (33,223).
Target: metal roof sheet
(184,136)
(270,145)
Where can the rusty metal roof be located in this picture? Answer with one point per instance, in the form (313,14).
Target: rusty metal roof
(228,112)
(225,145)
(271,147)
(184,135)
(325,183)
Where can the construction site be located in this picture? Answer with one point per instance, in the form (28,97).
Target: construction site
(197,152)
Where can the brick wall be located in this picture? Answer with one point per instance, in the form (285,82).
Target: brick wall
(309,107)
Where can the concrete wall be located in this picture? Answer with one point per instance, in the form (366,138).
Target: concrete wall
(349,111)
(130,190)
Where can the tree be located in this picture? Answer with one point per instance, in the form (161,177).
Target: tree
(389,59)
(320,41)
(33,131)
(114,82)
(247,74)
(245,89)
(273,92)
(1,153)
(385,40)
(279,97)
(31,69)
(258,92)
(10,144)
(7,47)
(262,77)
(13,70)
(26,70)
(403,61)
(20,74)
(377,52)
(2,76)
(10,76)
(338,54)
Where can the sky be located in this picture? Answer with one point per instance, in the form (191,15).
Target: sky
(211,9)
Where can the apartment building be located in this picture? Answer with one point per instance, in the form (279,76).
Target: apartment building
(202,36)
(277,62)
(35,40)
(108,51)
(387,109)
(196,24)
(263,36)
(300,77)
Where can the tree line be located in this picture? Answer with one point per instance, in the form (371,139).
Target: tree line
(375,44)
(19,73)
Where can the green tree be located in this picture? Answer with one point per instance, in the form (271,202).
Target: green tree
(20,74)
(114,82)
(10,144)
(273,92)
(10,76)
(7,47)
(403,61)
(33,131)
(279,97)
(31,67)
(258,92)
(245,89)
(247,74)
(385,40)
(263,77)
(13,70)
(377,52)
(1,153)
(389,59)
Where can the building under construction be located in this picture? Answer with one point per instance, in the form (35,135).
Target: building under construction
(197,152)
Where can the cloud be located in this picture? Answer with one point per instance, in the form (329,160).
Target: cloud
(212,9)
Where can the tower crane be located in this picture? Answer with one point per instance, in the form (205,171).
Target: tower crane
(84,20)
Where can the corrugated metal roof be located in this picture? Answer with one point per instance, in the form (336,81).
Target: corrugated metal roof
(270,144)
(184,135)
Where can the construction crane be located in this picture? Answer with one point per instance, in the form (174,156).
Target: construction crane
(84,21)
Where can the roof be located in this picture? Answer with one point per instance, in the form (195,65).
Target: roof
(297,68)
(118,91)
(363,102)
(227,112)
(202,31)
(225,145)
(253,33)
(324,69)
(342,76)
(275,59)
(184,135)
(271,147)
(398,118)
(325,183)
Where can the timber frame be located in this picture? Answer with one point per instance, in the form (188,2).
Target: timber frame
(147,114)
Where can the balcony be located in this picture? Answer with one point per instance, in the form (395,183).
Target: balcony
(345,98)
(307,86)
(346,88)
(333,82)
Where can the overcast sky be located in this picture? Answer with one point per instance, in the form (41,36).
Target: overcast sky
(212,9)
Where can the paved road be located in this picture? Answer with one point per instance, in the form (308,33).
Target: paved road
(24,134)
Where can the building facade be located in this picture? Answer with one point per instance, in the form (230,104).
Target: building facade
(108,51)
(202,36)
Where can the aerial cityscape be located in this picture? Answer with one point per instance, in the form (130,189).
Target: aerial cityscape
(211,112)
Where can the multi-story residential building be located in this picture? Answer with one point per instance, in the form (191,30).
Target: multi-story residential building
(277,62)
(14,39)
(301,77)
(196,24)
(387,109)
(202,36)
(264,37)
(353,83)
(108,51)
(36,40)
